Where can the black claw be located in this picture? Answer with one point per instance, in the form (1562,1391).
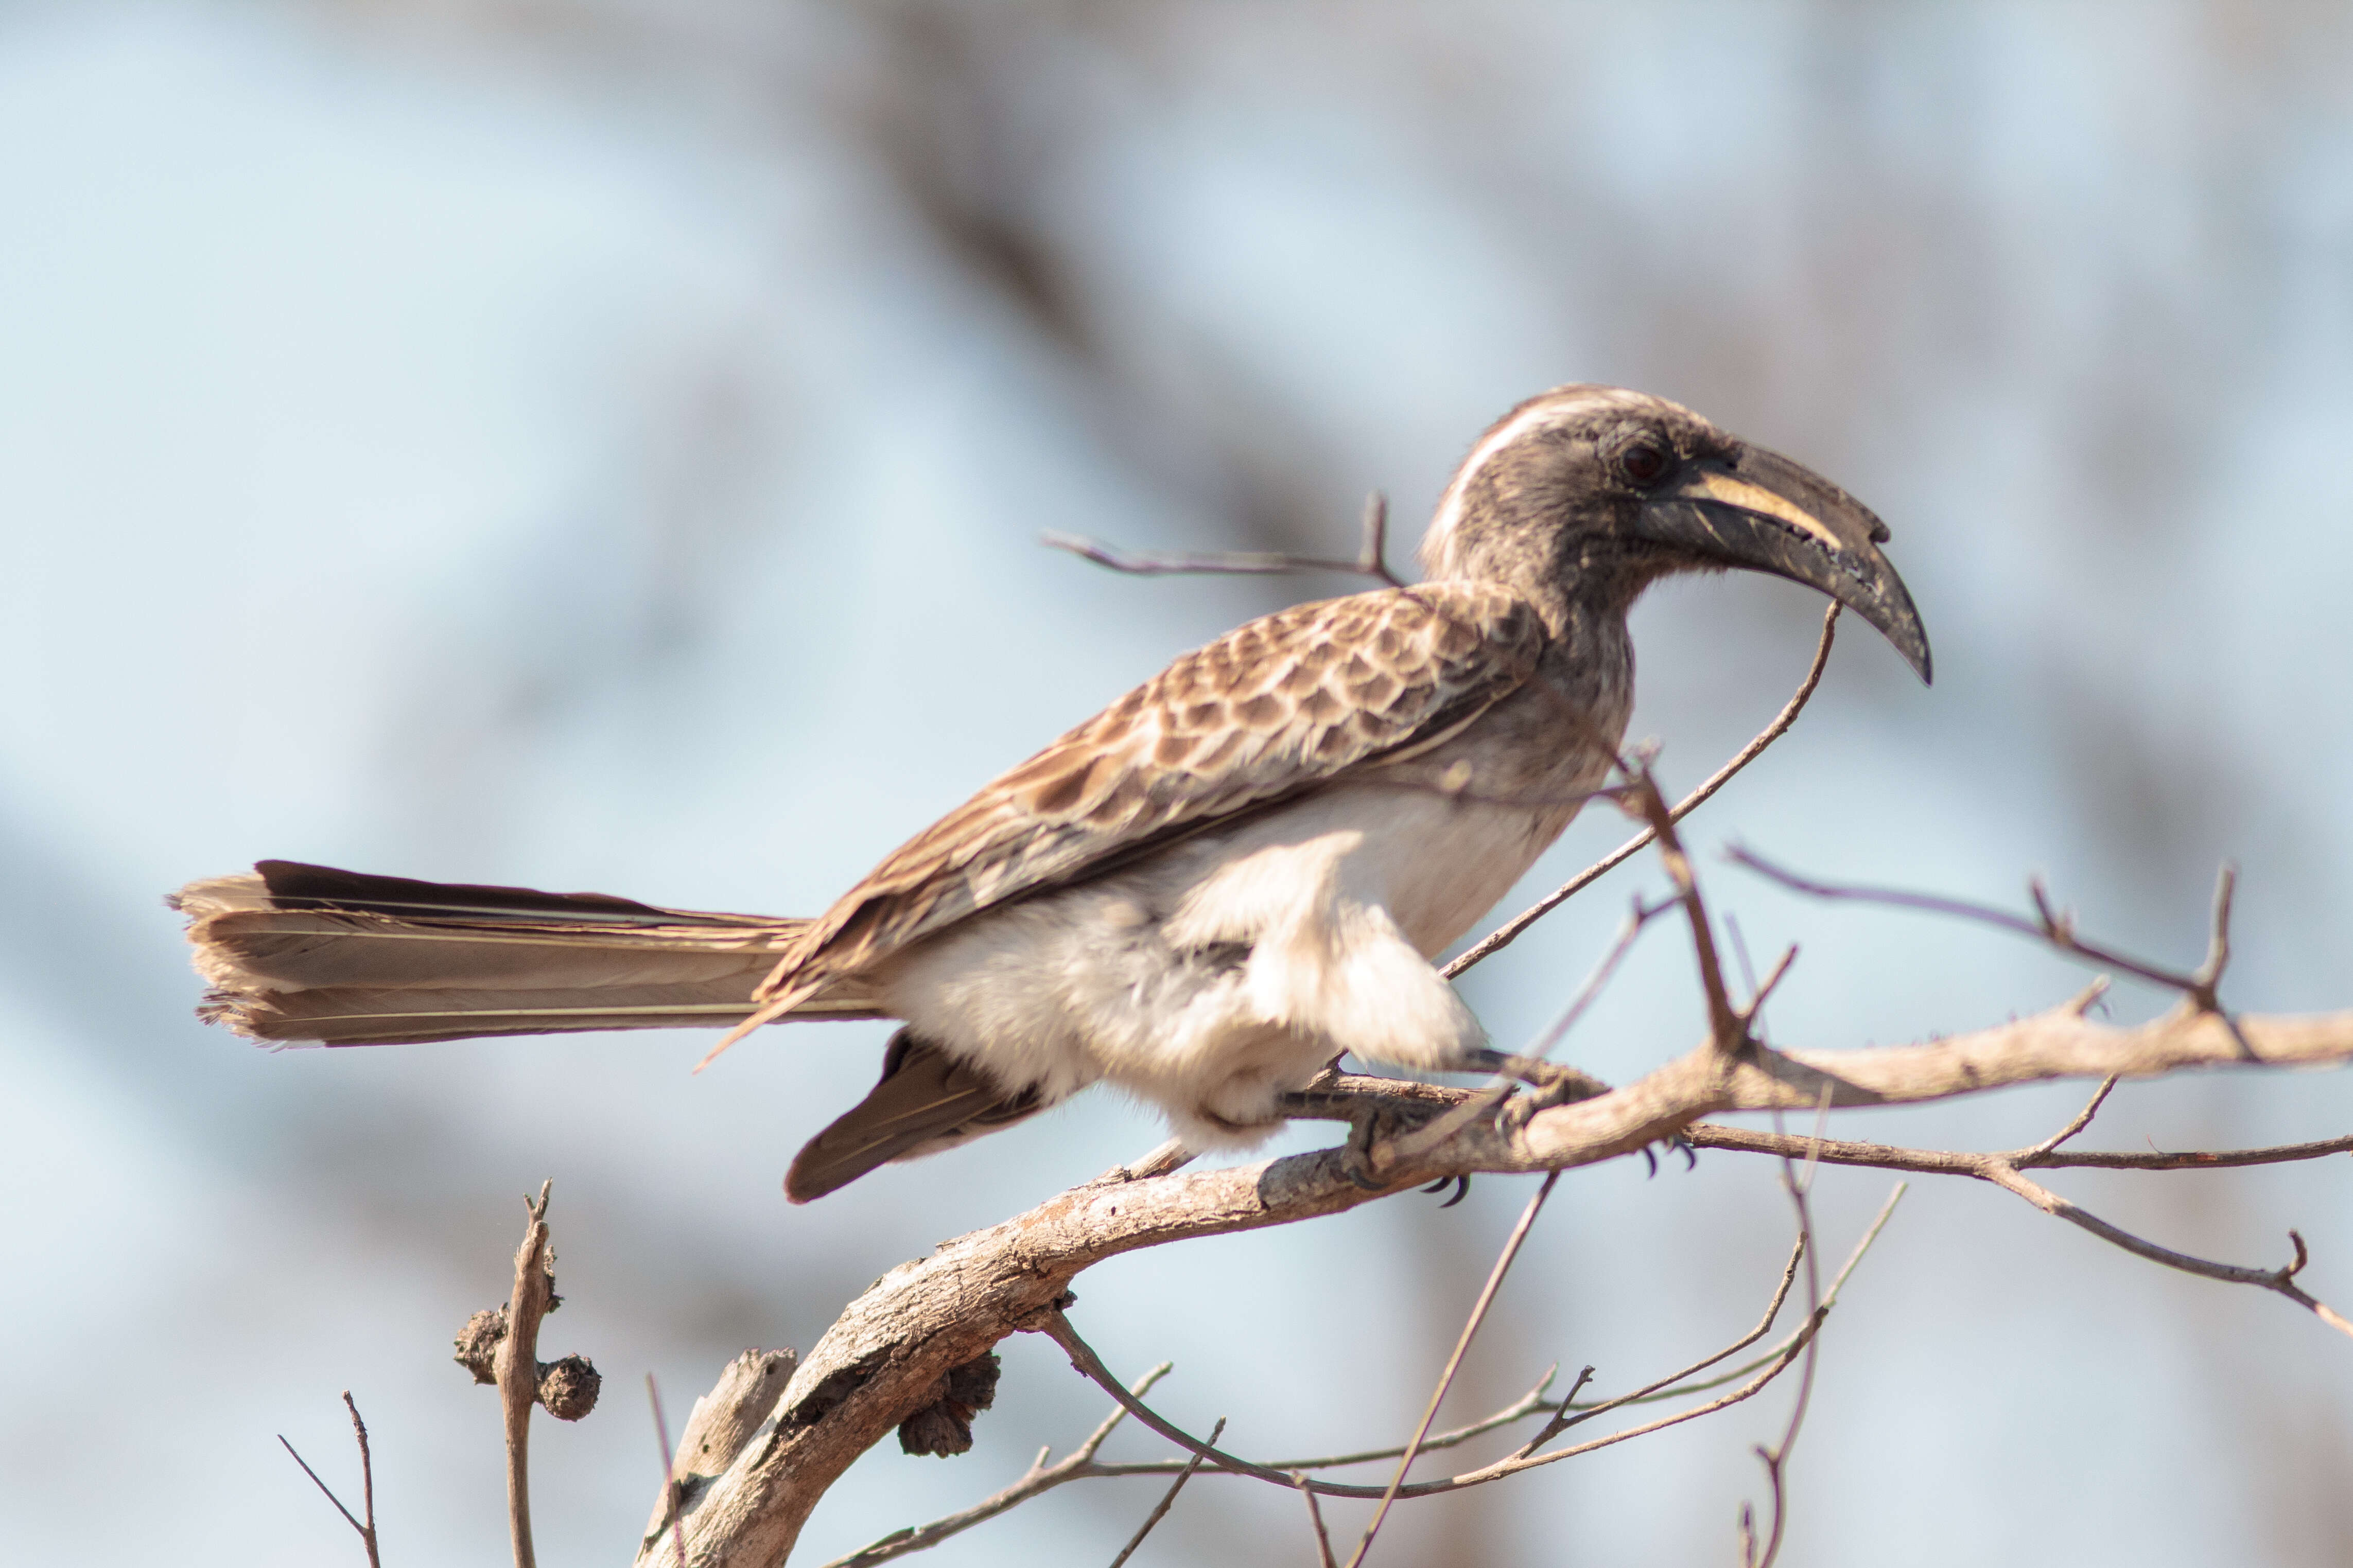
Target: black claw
(1439,1186)
(1690,1153)
(1650,1160)
(1462,1189)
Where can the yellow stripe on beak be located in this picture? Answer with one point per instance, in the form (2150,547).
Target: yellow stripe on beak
(1713,484)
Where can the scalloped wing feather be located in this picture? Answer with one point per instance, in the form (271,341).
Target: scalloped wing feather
(1272,709)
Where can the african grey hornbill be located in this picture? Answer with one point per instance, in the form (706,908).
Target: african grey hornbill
(1201,895)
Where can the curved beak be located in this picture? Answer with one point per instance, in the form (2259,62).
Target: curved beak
(1766,514)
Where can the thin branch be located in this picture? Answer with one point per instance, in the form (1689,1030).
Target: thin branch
(1963,1162)
(2083,1120)
(367,1483)
(1776,1458)
(1371,559)
(2050,925)
(367,1480)
(1424,1139)
(1510,930)
(1167,1501)
(1454,1363)
(2005,1171)
(1079,1465)
(1728,1026)
(2196,1158)
(1083,1356)
(1676,1388)
(1315,1518)
(670,1484)
(2280,1280)
(1532,1403)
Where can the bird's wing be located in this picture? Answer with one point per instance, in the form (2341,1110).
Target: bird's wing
(1266,712)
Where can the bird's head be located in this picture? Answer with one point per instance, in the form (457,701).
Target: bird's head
(1589,493)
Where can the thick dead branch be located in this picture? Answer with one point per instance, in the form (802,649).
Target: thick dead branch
(722,1422)
(889,1347)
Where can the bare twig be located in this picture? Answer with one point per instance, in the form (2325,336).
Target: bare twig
(1532,1403)
(1454,1363)
(2198,987)
(1084,1359)
(1728,1026)
(1168,1500)
(2083,1119)
(517,1369)
(1675,1385)
(1057,1327)
(1949,1162)
(367,1483)
(1511,930)
(1315,1518)
(2005,1170)
(1079,1465)
(1776,1458)
(1371,559)
(669,1470)
(1423,1139)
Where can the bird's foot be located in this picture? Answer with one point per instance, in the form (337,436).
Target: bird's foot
(1462,1185)
(1369,1125)
(1553,1083)
(1681,1145)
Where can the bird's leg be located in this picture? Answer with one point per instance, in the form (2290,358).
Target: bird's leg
(1375,1108)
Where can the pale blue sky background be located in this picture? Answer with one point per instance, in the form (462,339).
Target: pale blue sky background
(600,445)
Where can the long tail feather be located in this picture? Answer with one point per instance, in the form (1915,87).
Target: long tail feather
(297,954)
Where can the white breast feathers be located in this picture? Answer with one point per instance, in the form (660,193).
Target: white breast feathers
(1212,977)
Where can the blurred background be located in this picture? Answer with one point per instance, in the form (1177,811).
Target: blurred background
(601,444)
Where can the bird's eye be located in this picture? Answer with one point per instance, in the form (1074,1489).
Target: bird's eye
(1645,462)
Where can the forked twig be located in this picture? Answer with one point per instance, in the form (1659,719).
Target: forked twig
(1077,1465)
(1728,1026)
(1776,1458)
(2006,1170)
(2198,987)
(1511,930)
(367,1483)
(1315,1518)
(1168,1500)
(1057,1327)
(1423,1139)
